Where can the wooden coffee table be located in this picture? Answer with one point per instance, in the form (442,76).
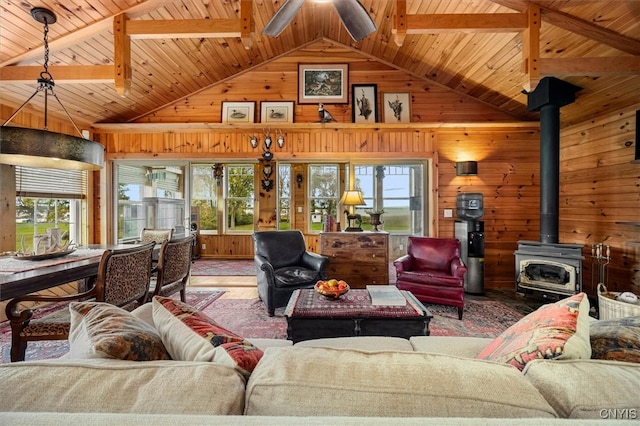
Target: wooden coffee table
(313,316)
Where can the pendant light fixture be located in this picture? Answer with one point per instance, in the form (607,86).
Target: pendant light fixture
(41,148)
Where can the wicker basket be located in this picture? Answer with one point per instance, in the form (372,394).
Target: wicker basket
(609,307)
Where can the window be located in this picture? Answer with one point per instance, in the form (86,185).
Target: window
(204,198)
(324,193)
(49,198)
(284,197)
(239,199)
(398,190)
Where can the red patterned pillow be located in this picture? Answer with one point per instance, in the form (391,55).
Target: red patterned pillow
(555,331)
(190,335)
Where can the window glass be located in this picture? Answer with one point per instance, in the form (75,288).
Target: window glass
(395,189)
(204,198)
(284,197)
(324,194)
(239,199)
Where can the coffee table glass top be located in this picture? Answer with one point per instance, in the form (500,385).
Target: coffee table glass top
(355,303)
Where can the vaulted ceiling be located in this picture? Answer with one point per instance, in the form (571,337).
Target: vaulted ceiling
(179,47)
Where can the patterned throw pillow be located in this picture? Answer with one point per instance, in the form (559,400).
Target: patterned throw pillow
(101,330)
(616,339)
(555,331)
(190,335)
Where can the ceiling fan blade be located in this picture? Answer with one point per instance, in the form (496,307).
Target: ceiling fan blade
(355,18)
(282,17)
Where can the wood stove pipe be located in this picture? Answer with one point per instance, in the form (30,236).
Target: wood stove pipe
(550,94)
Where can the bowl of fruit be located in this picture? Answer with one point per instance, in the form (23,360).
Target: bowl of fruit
(332,288)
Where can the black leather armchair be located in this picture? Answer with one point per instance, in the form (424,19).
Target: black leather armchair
(284,265)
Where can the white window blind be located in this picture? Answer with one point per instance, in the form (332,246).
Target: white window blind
(50,183)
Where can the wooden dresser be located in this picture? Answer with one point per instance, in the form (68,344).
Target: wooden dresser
(359,258)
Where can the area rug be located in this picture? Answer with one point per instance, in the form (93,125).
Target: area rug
(56,348)
(483,318)
(223,267)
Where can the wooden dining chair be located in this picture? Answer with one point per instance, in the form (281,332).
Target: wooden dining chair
(123,280)
(158,235)
(173,269)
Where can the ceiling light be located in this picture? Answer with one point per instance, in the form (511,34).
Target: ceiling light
(41,148)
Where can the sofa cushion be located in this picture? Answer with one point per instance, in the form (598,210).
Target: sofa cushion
(363,343)
(616,339)
(115,386)
(555,331)
(597,389)
(466,347)
(301,381)
(101,330)
(190,335)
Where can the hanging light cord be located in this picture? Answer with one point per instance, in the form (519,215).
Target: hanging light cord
(46,85)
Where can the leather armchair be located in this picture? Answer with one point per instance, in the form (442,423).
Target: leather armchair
(284,265)
(433,271)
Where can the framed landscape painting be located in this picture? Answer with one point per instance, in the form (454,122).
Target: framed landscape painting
(396,107)
(277,112)
(364,103)
(323,83)
(238,112)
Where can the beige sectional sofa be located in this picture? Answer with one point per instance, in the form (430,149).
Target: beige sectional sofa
(360,380)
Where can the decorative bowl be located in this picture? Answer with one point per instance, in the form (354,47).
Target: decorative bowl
(331,292)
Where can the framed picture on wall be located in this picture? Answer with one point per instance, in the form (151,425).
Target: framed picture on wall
(396,107)
(364,103)
(238,112)
(277,112)
(326,83)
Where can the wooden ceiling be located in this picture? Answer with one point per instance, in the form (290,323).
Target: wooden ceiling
(592,44)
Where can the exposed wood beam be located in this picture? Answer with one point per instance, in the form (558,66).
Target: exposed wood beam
(73,38)
(590,66)
(400,22)
(578,26)
(184,28)
(69,73)
(246,19)
(531,49)
(122,55)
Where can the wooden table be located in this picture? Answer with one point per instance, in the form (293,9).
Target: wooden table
(47,274)
(313,316)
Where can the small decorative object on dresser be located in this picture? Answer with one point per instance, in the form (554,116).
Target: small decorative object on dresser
(359,258)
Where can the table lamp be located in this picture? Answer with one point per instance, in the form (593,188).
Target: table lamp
(351,199)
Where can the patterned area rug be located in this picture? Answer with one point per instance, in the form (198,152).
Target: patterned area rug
(222,267)
(248,318)
(54,349)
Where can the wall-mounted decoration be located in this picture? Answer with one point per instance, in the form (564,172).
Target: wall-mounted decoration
(238,112)
(267,184)
(364,103)
(326,83)
(396,107)
(277,112)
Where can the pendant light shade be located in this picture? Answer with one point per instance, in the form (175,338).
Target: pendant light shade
(41,148)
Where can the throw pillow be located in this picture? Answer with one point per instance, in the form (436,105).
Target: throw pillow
(616,339)
(555,331)
(101,330)
(190,335)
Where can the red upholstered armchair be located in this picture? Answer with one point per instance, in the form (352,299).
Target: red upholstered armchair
(433,271)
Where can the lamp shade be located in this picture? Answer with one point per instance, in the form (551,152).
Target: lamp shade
(352,198)
(466,168)
(43,149)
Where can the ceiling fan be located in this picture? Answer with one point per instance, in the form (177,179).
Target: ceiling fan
(353,15)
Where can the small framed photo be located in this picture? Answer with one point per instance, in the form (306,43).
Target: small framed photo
(364,103)
(396,107)
(277,112)
(323,83)
(238,112)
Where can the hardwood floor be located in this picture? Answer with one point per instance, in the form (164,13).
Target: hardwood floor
(244,287)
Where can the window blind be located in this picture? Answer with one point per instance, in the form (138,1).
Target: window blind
(51,183)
